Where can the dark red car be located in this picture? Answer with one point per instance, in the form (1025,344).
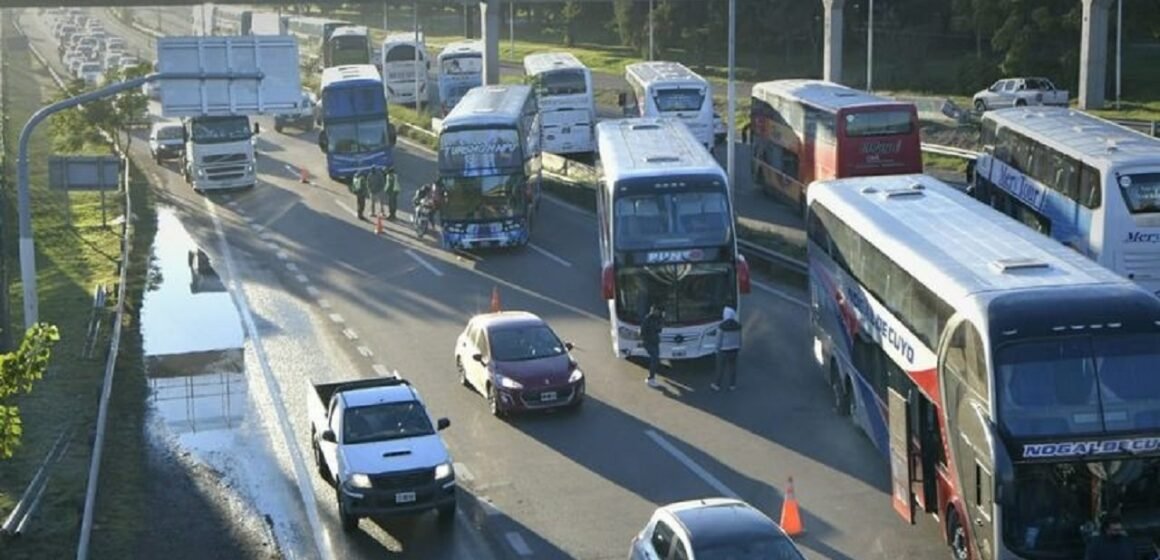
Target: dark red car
(515,360)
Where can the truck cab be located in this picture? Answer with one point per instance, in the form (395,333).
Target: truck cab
(374,440)
(219,152)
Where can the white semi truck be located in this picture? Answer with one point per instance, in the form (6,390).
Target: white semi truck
(219,152)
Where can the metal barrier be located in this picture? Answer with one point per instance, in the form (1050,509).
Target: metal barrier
(949,151)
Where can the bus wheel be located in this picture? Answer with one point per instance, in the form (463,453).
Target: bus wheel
(956,536)
(841,396)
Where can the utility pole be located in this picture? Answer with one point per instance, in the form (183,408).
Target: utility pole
(385,28)
(731,122)
(650,29)
(870,50)
(512,26)
(418,102)
(1119,48)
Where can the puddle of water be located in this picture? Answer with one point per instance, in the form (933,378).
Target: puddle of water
(193,340)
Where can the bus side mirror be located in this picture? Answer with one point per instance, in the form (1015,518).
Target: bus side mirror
(322,140)
(257,129)
(744,283)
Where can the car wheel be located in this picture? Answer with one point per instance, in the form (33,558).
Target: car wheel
(957,537)
(462,372)
(980,106)
(446,515)
(349,522)
(493,401)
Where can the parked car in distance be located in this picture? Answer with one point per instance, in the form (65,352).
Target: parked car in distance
(712,528)
(166,140)
(1017,92)
(516,361)
(374,440)
(303,118)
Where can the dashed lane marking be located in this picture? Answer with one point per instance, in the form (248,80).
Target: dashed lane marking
(691,464)
(518,544)
(335,317)
(291,266)
(349,334)
(380,370)
(301,278)
(366,352)
(423,262)
(550,255)
(776,292)
(324,303)
(282,255)
(312,291)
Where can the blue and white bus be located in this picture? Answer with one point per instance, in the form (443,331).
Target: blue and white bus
(1090,184)
(356,129)
(460,69)
(564,91)
(667,237)
(1009,381)
(489,168)
(347,45)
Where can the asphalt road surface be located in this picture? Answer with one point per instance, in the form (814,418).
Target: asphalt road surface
(324,298)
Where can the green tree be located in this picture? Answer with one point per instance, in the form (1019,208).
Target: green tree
(568,15)
(626,22)
(18,371)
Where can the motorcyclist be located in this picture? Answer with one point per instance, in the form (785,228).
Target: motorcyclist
(428,199)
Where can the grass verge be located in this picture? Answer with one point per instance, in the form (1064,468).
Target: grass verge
(71,260)
(420,119)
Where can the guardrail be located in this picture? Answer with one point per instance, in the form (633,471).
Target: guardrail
(114,343)
(949,151)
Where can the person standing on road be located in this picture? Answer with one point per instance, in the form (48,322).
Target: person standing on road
(377,186)
(358,186)
(392,192)
(728,346)
(650,335)
(1112,542)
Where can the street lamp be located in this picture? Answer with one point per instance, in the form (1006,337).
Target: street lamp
(1119,47)
(731,123)
(650,30)
(870,48)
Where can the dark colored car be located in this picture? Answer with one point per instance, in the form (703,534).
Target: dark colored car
(515,360)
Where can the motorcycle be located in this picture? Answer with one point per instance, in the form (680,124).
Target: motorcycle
(422,219)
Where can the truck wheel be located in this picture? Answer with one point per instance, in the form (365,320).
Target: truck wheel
(980,106)
(446,515)
(956,536)
(349,522)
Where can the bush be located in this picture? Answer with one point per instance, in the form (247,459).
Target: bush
(975,74)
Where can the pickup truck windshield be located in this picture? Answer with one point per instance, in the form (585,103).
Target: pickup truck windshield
(383,422)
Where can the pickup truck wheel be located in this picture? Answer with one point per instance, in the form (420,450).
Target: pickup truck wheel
(446,515)
(349,522)
(980,106)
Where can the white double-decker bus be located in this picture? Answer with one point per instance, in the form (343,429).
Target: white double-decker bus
(669,89)
(1009,380)
(667,237)
(1088,183)
(402,59)
(566,101)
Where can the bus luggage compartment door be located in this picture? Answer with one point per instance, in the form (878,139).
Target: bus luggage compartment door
(901,471)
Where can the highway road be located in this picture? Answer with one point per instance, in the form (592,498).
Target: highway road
(323,298)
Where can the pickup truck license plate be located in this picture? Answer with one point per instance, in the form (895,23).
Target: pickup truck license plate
(548,396)
(404,497)
(678,351)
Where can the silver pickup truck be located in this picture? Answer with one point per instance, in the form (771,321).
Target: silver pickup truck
(1017,92)
(375,442)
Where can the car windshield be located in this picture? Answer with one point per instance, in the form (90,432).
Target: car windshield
(533,342)
(689,293)
(169,133)
(356,137)
(879,123)
(668,220)
(679,99)
(382,422)
(758,548)
(1080,385)
(489,197)
(460,65)
(1141,192)
(210,130)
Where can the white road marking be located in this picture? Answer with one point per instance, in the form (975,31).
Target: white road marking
(568,206)
(324,303)
(302,475)
(381,370)
(366,352)
(301,278)
(463,473)
(346,207)
(549,254)
(518,544)
(282,255)
(424,262)
(335,317)
(312,291)
(267,235)
(258,229)
(691,464)
(349,333)
(291,266)
(771,290)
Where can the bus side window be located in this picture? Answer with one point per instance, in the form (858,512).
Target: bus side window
(1089,187)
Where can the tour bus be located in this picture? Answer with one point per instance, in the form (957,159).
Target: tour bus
(811,130)
(567,105)
(460,69)
(402,59)
(669,89)
(1088,183)
(236,20)
(347,45)
(489,168)
(313,32)
(356,130)
(1009,381)
(667,236)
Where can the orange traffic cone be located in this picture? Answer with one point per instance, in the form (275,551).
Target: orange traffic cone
(303,176)
(495,306)
(791,519)
(379,224)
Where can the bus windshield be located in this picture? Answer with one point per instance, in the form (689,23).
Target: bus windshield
(473,152)
(562,82)
(1079,385)
(348,50)
(461,65)
(356,137)
(1141,192)
(672,220)
(688,293)
(879,123)
(365,100)
(402,53)
(481,198)
(218,130)
(679,99)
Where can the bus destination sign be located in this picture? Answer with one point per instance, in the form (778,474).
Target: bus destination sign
(1130,446)
(676,256)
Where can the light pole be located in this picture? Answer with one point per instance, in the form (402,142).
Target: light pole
(650,29)
(870,49)
(418,102)
(731,123)
(385,16)
(512,26)
(1119,47)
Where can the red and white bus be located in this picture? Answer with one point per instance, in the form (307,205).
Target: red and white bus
(811,130)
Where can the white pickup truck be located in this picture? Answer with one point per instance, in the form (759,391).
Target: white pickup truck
(1017,92)
(374,440)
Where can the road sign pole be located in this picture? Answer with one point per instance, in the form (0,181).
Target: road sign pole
(731,106)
